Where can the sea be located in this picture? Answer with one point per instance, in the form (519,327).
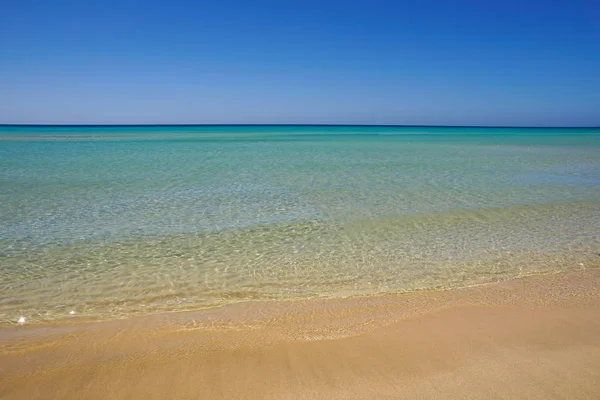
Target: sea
(110,222)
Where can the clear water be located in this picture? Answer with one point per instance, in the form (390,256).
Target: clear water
(116,221)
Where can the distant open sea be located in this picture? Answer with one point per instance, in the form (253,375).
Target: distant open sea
(115,221)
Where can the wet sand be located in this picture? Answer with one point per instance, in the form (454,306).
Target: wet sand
(531,338)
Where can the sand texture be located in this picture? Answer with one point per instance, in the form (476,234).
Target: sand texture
(531,338)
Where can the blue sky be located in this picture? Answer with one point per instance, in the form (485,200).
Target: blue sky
(364,62)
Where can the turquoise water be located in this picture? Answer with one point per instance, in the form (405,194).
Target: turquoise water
(118,221)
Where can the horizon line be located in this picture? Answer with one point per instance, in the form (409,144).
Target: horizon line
(311,125)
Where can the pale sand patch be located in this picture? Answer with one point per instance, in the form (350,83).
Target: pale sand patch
(533,338)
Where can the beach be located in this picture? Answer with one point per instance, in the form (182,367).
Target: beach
(299,262)
(308,200)
(532,338)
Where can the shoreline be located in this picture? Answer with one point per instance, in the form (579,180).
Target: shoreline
(80,320)
(533,337)
(577,261)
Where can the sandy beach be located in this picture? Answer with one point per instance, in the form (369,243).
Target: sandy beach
(299,201)
(531,338)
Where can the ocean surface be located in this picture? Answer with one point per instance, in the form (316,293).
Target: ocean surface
(116,221)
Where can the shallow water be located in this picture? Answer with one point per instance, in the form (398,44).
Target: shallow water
(116,221)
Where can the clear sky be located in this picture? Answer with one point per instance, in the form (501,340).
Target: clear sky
(368,62)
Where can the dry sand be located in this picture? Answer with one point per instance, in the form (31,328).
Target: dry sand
(532,338)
